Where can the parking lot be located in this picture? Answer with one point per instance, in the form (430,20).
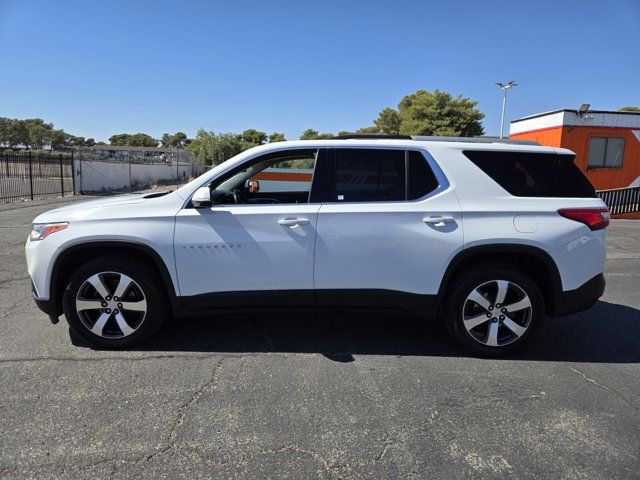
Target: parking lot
(319,395)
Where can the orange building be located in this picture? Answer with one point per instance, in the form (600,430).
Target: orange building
(607,144)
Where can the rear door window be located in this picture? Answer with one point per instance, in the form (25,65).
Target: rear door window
(378,175)
(528,174)
(363,175)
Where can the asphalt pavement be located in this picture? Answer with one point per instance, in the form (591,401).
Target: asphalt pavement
(319,395)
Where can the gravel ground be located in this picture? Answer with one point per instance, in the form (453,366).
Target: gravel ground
(326,395)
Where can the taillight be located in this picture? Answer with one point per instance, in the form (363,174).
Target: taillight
(594,218)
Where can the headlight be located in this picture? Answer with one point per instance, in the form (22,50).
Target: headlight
(40,231)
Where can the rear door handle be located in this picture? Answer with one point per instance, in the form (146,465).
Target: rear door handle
(292,222)
(438,220)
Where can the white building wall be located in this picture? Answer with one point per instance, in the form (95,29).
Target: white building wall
(558,119)
(538,123)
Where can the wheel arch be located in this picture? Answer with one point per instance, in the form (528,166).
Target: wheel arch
(73,256)
(532,260)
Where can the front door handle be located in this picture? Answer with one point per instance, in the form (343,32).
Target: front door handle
(293,222)
(438,220)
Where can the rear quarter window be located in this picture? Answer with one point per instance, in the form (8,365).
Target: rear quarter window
(527,174)
(421,179)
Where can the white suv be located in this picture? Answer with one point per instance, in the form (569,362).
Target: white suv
(488,236)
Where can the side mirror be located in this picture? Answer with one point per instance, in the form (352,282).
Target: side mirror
(252,186)
(202,198)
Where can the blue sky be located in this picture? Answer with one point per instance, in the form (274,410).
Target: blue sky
(99,68)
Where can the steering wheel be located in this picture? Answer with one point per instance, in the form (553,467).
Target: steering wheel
(238,196)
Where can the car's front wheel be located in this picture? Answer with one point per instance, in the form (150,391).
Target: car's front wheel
(114,303)
(494,311)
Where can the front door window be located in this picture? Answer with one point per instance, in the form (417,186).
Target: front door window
(280,178)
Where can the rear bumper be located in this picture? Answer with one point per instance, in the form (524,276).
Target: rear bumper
(583,297)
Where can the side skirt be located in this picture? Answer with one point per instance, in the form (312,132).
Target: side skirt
(210,303)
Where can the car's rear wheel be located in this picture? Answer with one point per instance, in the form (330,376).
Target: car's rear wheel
(114,303)
(494,311)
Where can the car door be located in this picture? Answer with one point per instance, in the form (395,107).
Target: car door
(388,226)
(250,255)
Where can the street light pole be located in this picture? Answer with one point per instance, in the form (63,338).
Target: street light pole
(505,88)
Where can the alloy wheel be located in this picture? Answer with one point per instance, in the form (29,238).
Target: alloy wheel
(497,313)
(111,305)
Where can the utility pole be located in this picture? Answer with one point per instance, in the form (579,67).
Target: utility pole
(505,88)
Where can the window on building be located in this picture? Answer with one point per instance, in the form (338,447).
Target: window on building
(605,152)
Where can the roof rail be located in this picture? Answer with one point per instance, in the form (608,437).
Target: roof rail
(371,136)
(422,138)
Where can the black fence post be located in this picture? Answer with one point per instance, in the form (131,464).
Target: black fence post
(61,177)
(130,186)
(30,176)
(73,173)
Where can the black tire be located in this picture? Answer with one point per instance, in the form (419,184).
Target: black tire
(148,323)
(463,285)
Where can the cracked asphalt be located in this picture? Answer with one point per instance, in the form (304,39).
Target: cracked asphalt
(319,395)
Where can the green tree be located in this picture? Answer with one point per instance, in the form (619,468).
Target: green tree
(6,129)
(388,122)
(201,146)
(177,140)
(311,134)
(229,145)
(253,136)
(213,149)
(38,133)
(277,137)
(165,141)
(32,133)
(19,133)
(59,139)
(77,141)
(371,129)
(629,109)
(120,139)
(439,113)
(135,140)
(143,140)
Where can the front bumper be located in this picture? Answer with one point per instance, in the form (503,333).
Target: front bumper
(39,256)
(48,307)
(583,297)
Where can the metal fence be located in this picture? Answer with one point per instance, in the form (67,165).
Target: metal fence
(621,200)
(32,176)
